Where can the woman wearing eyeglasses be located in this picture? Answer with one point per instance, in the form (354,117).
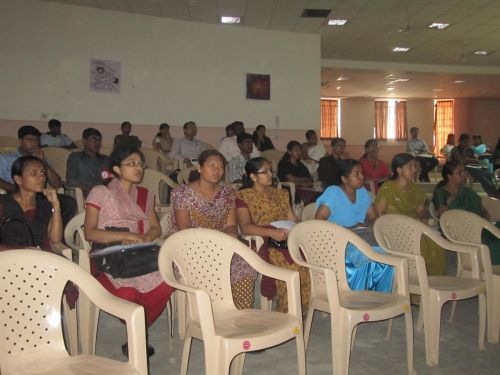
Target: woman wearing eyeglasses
(206,203)
(258,204)
(123,212)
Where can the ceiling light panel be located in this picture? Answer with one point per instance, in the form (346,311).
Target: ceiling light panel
(230,20)
(438,25)
(400,49)
(337,22)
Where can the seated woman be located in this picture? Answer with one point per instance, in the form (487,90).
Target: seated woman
(257,205)
(261,141)
(349,204)
(33,203)
(401,196)
(451,193)
(374,170)
(124,205)
(291,169)
(162,141)
(206,203)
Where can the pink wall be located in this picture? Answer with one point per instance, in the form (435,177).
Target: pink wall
(478,116)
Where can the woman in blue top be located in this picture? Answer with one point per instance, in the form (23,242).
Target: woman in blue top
(349,204)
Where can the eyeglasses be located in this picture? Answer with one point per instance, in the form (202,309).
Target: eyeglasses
(133,164)
(265,171)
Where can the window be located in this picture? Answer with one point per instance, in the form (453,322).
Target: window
(390,120)
(443,123)
(330,118)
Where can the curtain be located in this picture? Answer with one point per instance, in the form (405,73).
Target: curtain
(329,118)
(381,112)
(443,123)
(401,122)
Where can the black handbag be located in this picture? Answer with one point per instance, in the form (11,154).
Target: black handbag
(281,245)
(15,231)
(124,261)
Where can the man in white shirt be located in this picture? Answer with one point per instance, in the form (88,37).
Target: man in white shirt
(228,146)
(313,150)
(424,157)
(54,138)
(188,149)
(236,166)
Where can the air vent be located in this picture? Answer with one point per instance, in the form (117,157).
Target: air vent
(315,13)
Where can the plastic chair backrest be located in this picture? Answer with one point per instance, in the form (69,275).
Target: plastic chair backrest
(432,211)
(400,233)
(465,227)
(323,244)
(203,259)
(33,282)
(492,207)
(57,157)
(74,236)
(309,212)
(152,180)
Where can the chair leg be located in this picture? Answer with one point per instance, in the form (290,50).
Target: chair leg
(409,342)
(71,328)
(266,304)
(301,353)
(389,329)
(88,321)
(186,349)
(420,320)
(341,344)
(353,337)
(432,327)
(307,328)
(493,314)
(236,367)
(452,313)
(181,312)
(482,320)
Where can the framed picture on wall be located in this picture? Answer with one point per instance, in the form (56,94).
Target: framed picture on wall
(105,76)
(258,86)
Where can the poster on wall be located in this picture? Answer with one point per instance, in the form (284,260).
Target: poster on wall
(258,86)
(105,76)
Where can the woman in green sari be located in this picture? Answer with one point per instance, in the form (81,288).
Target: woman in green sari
(452,194)
(400,195)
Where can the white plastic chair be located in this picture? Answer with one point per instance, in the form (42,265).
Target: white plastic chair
(57,157)
(157,183)
(401,235)
(492,207)
(309,212)
(88,313)
(76,193)
(323,245)
(157,161)
(31,340)
(203,259)
(465,228)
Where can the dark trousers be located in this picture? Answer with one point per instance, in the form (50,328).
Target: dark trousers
(426,165)
(69,207)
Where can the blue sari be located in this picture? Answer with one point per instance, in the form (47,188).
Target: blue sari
(362,273)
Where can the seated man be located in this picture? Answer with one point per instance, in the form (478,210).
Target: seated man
(464,154)
(313,150)
(424,157)
(54,138)
(88,168)
(338,149)
(236,166)
(188,148)
(228,146)
(29,144)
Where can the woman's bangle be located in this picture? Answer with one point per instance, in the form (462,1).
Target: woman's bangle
(56,210)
